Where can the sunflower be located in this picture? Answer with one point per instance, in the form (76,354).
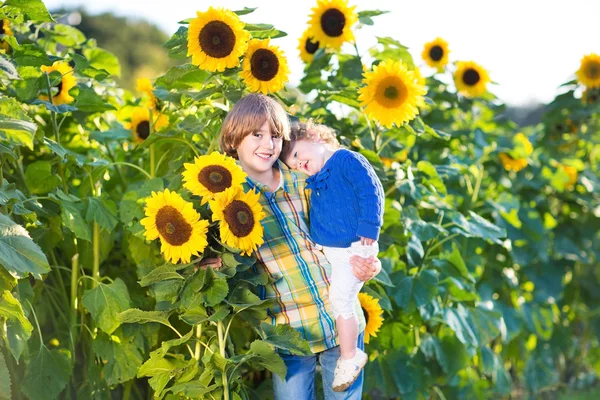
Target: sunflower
(590,96)
(373,315)
(181,231)
(308,46)
(265,68)
(331,21)
(435,54)
(240,215)
(589,71)
(571,173)
(144,85)
(516,159)
(212,174)
(5,30)
(60,92)
(512,164)
(391,93)
(470,78)
(140,123)
(216,39)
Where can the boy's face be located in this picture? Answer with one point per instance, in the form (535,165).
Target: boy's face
(259,150)
(306,156)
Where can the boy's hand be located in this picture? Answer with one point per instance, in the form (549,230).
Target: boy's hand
(214,263)
(366,241)
(365,268)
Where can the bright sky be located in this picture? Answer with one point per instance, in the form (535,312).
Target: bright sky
(529,47)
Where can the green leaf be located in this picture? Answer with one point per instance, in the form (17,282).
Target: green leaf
(18,253)
(97,211)
(30,55)
(122,358)
(457,320)
(285,337)
(47,374)
(5,382)
(194,390)
(177,44)
(117,133)
(72,219)
(18,327)
(455,258)
(87,100)
(265,356)
(105,302)
(67,35)
(477,227)
(417,290)
(364,17)
(137,316)
(245,11)
(39,177)
(450,353)
(155,365)
(8,68)
(263,31)
(160,274)
(538,320)
(34,10)
(103,60)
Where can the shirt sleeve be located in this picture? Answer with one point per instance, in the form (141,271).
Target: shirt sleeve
(367,187)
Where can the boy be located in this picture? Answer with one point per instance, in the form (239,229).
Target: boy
(253,132)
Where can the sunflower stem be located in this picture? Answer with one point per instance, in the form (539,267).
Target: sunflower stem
(52,113)
(152,162)
(478,184)
(222,352)
(74,298)
(96,266)
(199,337)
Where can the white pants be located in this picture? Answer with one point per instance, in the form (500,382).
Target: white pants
(344,285)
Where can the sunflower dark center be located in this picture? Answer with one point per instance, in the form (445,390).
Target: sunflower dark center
(239,217)
(215,178)
(2,31)
(471,77)
(217,39)
(593,71)
(311,47)
(264,64)
(333,22)
(143,130)
(391,92)
(172,226)
(436,53)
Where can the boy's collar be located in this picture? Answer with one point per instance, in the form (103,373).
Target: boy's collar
(286,178)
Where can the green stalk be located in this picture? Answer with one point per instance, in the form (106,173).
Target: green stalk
(222,352)
(74,302)
(199,337)
(96,266)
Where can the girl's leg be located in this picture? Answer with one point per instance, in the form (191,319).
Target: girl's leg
(348,333)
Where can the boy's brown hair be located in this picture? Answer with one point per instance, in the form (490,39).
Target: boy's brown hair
(311,131)
(247,116)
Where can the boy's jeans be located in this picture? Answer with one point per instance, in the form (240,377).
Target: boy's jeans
(301,373)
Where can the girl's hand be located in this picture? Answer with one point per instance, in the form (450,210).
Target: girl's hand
(366,241)
(214,263)
(365,268)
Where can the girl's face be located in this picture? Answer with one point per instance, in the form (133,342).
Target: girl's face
(306,156)
(259,150)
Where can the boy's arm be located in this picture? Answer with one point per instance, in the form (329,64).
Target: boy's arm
(367,187)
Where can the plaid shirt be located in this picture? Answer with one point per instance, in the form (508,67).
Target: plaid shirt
(296,264)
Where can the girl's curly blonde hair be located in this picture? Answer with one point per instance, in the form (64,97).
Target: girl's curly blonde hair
(312,131)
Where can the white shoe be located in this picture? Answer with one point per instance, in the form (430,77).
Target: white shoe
(346,371)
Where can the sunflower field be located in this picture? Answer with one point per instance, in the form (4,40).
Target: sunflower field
(110,200)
